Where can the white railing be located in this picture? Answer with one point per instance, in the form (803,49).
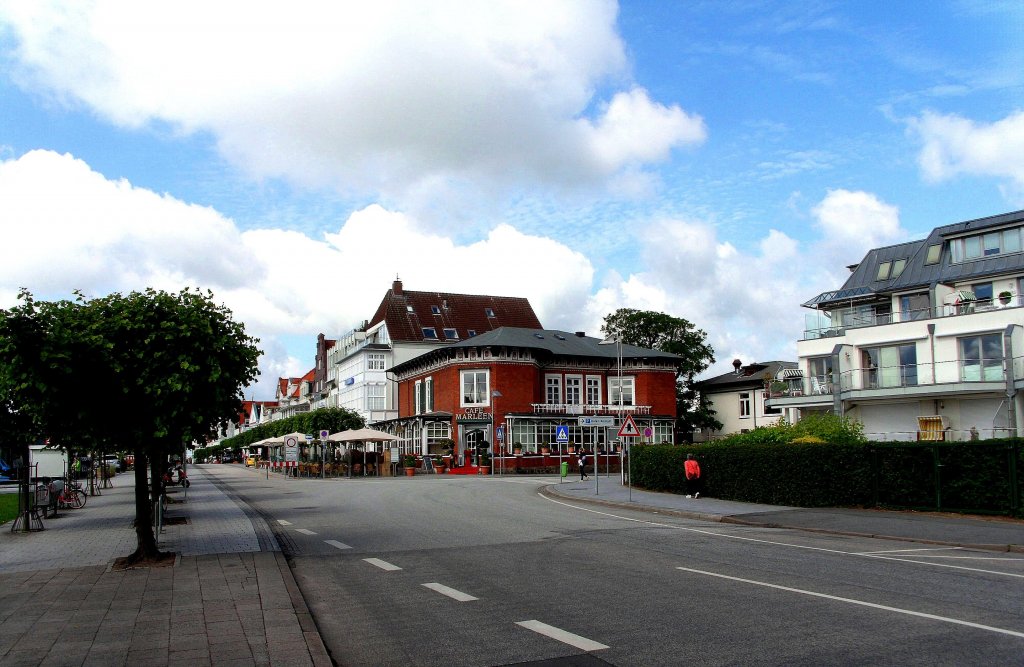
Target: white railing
(577,409)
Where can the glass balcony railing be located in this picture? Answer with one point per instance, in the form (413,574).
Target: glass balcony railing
(840,320)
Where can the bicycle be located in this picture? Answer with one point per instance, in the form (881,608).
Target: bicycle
(71,496)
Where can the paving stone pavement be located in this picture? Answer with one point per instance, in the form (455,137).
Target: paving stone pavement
(229,598)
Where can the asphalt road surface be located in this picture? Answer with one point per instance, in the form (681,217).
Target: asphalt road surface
(466,571)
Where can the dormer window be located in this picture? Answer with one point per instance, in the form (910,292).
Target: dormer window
(934,252)
(430,333)
(489,312)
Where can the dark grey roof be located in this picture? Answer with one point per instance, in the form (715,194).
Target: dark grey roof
(751,375)
(862,285)
(547,341)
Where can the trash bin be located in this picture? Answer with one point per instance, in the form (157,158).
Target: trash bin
(565,468)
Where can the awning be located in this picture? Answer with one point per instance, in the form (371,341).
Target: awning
(964,295)
(792,373)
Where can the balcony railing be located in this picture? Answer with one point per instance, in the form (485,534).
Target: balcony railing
(904,375)
(854,318)
(595,409)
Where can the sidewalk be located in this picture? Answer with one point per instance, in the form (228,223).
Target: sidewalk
(229,599)
(998,534)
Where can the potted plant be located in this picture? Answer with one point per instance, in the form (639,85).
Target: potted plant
(517,448)
(439,464)
(485,464)
(1005,296)
(409,461)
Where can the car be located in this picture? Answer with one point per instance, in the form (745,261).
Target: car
(250,462)
(112,462)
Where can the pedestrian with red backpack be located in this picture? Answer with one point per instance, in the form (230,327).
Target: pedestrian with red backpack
(693,478)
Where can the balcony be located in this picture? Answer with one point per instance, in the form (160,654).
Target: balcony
(596,409)
(842,319)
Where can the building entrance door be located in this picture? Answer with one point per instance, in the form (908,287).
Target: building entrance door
(469,438)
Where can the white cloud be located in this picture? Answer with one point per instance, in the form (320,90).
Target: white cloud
(67,227)
(383,97)
(853,222)
(953,145)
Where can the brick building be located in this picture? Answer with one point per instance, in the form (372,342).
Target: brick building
(528,382)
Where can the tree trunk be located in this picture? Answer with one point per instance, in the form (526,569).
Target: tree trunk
(147,548)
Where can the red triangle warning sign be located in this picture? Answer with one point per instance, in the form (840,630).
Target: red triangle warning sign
(628,428)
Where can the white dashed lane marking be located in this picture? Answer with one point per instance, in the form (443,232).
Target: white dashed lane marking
(450,592)
(382,564)
(304,531)
(284,523)
(337,545)
(564,636)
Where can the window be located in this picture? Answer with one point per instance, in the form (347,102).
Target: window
(430,333)
(553,389)
(892,366)
(573,389)
(375,399)
(898,266)
(408,309)
(474,388)
(471,333)
(998,242)
(934,253)
(819,375)
(435,310)
(765,409)
(744,404)
(982,291)
(428,395)
(451,334)
(981,358)
(489,312)
(593,390)
(375,361)
(417,397)
(883,271)
(627,390)
(914,307)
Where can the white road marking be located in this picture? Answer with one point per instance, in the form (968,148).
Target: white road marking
(908,612)
(284,523)
(582,643)
(712,533)
(898,551)
(337,545)
(304,531)
(382,564)
(450,592)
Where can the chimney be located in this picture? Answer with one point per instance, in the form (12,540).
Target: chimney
(396,287)
(581,334)
(737,364)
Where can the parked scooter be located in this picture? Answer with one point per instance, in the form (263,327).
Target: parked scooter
(176,475)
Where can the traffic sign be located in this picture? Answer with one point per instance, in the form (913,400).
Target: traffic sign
(309,437)
(561,434)
(597,421)
(628,428)
(501,433)
(324,433)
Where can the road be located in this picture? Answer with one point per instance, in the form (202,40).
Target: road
(465,571)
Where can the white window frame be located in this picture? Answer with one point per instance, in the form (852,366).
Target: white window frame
(628,390)
(744,405)
(573,390)
(477,376)
(375,361)
(376,396)
(593,389)
(553,389)
(417,399)
(428,391)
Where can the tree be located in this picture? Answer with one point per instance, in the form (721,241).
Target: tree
(675,335)
(150,372)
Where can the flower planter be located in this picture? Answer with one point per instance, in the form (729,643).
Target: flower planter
(409,472)
(484,470)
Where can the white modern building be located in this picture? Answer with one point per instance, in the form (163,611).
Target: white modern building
(741,399)
(925,340)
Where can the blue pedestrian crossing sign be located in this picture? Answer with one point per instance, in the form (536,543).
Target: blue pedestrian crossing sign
(561,434)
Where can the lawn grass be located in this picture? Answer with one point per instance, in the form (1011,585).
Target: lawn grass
(8,507)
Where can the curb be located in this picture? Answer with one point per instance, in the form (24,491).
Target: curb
(552,492)
(314,643)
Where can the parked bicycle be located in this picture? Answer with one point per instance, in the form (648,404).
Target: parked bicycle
(69,494)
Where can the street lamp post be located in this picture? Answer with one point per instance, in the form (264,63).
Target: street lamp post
(615,338)
(495,394)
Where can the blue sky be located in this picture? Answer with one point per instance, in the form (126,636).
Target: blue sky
(718,161)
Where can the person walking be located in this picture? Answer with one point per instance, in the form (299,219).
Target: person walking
(583,464)
(693,478)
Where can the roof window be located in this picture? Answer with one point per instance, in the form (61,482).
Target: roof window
(538,335)
(408,309)
(934,251)
(430,332)
(489,312)
(451,334)
(898,266)
(883,271)
(435,310)
(471,333)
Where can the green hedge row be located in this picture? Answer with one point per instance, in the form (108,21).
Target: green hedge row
(964,476)
(331,419)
